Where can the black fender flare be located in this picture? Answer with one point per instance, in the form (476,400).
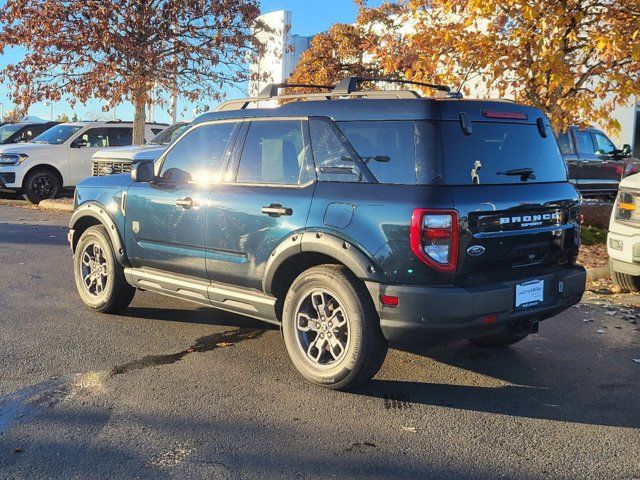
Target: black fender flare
(331,245)
(98,212)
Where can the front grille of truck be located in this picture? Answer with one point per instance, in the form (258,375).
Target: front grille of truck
(100,169)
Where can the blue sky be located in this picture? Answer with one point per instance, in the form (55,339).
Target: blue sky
(309,17)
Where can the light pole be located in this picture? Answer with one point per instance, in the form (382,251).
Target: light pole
(50,105)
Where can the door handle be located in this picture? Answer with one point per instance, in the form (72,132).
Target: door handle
(186,202)
(276,210)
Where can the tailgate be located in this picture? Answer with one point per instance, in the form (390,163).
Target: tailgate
(515,231)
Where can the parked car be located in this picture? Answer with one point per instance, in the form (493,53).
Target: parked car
(120,159)
(351,219)
(595,164)
(20,132)
(623,240)
(60,157)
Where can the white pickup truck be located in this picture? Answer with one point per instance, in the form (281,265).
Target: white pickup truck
(61,156)
(120,160)
(623,241)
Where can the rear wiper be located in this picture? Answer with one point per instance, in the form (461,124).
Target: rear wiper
(524,173)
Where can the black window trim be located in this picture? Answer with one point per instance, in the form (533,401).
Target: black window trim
(231,175)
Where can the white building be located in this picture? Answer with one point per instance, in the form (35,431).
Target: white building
(284,50)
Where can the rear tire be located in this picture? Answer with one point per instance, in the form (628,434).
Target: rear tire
(98,275)
(500,340)
(331,328)
(41,184)
(627,283)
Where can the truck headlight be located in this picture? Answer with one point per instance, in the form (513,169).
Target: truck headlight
(12,158)
(627,207)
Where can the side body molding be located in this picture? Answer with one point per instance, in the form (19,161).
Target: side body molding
(97,211)
(327,244)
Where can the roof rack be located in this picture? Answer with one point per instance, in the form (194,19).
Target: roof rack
(350,84)
(271,90)
(348,87)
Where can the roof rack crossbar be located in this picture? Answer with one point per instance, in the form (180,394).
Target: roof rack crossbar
(271,89)
(242,104)
(350,84)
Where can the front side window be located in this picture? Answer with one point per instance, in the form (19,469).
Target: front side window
(198,156)
(106,137)
(57,135)
(603,144)
(274,153)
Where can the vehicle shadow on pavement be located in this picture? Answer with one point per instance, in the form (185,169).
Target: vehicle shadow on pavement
(202,315)
(519,386)
(33,234)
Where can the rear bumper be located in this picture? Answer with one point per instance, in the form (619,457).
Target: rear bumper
(435,314)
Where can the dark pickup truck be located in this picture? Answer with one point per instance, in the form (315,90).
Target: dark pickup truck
(595,164)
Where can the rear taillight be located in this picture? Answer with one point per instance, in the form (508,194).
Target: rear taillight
(434,238)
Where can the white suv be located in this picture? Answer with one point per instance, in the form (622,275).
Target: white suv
(61,156)
(623,241)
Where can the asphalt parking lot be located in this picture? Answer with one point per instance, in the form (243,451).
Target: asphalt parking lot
(173,390)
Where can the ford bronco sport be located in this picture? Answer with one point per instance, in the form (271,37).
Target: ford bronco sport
(352,219)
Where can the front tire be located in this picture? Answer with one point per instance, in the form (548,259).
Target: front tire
(627,283)
(331,329)
(41,184)
(98,276)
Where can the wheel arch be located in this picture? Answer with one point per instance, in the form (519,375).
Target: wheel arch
(90,214)
(43,166)
(300,252)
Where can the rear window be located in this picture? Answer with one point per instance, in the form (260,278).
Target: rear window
(502,151)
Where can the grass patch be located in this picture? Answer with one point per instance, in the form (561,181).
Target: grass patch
(593,235)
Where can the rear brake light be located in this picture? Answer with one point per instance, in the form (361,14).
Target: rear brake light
(434,238)
(505,115)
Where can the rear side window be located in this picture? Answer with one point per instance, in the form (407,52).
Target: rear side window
(565,143)
(386,147)
(584,143)
(498,153)
(274,152)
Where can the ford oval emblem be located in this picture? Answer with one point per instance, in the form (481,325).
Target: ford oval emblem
(475,250)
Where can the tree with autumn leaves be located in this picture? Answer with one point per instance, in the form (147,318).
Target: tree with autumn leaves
(574,59)
(116,50)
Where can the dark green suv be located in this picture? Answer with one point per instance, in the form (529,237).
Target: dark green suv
(352,219)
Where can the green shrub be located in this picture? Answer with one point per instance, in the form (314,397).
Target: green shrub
(593,235)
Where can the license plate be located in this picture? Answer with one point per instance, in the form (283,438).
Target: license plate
(529,293)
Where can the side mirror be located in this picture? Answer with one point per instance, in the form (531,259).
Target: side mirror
(142,172)
(626,150)
(79,143)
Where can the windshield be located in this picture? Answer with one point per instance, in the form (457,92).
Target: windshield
(57,135)
(169,134)
(7,130)
(497,153)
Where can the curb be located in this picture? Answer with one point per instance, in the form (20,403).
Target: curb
(594,274)
(65,205)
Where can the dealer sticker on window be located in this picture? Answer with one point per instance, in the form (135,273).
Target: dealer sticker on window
(529,293)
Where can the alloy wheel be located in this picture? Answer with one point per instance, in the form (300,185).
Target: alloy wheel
(322,328)
(94,269)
